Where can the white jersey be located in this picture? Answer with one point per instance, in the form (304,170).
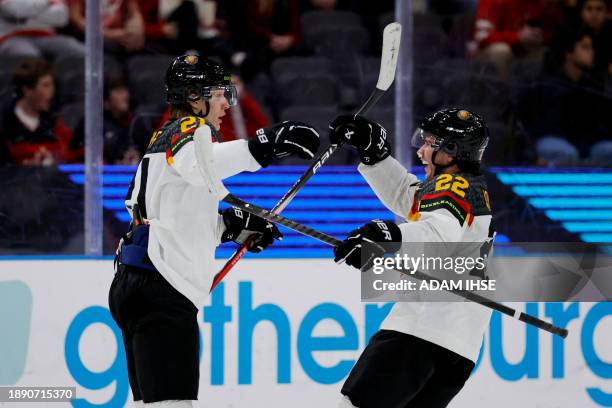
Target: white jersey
(185,227)
(456,326)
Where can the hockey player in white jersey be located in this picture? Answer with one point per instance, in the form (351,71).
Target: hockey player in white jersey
(165,263)
(425,351)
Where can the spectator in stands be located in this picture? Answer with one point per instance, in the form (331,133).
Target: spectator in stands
(118,145)
(188,25)
(27,28)
(325,5)
(566,110)
(272,30)
(507,28)
(595,15)
(161,33)
(122,24)
(31,134)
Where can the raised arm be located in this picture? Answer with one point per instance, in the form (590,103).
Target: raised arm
(392,183)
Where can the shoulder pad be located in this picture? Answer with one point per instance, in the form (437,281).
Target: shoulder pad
(464,196)
(186,128)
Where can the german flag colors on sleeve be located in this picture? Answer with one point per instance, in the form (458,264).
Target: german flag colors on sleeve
(447,200)
(188,126)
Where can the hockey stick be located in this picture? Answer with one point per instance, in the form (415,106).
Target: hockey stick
(386,74)
(203,149)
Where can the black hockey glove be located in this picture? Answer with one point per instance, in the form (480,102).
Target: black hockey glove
(284,139)
(368,137)
(371,241)
(239,225)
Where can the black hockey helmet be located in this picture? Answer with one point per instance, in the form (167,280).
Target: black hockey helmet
(191,77)
(458,132)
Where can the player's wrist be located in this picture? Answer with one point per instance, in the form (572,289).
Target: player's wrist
(374,156)
(262,147)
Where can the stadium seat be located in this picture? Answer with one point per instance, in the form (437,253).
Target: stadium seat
(314,19)
(337,42)
(6,81)
(317,116)
(385,115)
(71,86)
(320,118)
(146,119)
(9,63)
(71,114)
(368,69)
(154,64)
(300,65)
(320,89)
(68,65)
(304,80)
(147,87)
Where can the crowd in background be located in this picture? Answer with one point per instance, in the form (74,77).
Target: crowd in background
(545,65)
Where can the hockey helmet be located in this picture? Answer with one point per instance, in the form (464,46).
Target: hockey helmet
(459,132)
(191,77)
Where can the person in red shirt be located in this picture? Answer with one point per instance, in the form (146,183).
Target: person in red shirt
(272,29)
(122,24)
(253,117)
(595,16)
(507,28)
(31,134)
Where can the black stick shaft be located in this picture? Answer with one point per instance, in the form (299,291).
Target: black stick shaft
(474,297)
(297,186)
(323,156)
(371,101)
(279,219)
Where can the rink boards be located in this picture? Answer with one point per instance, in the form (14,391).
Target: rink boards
(280,333)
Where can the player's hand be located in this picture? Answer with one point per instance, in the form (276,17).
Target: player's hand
(284,139)
(239,225)
(368,242)
(368,137)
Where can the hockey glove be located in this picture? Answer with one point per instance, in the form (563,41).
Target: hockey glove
(368,137)
(371,241)
(239,225)
(284,139)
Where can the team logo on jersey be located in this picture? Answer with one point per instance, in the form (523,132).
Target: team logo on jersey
(188,126)
(463,115)
(460,209)
(191,59)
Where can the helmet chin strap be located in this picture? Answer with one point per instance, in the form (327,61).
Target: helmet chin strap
(205,113)
(438,168)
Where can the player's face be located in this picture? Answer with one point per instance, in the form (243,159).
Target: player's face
(584,53)
(218,105)
(594,14)
(40,96)
(426,152)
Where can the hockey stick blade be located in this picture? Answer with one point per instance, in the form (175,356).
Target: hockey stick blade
(392,35)
(386,75)
(390,51)
(204,157)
